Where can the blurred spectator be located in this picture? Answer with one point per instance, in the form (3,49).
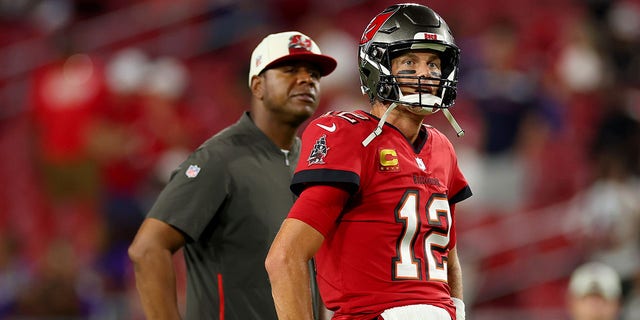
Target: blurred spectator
(508,99)
(51,15)
(52,292)
(608,211)
(125,72)
(631,307)
(140,136)
(340,89)
(594,293)
(14,274)
(65,95)
(615,149)
(621,39)
(166,83)
(580,65)
(574,75)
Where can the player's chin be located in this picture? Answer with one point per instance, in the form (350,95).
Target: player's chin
(305,98)
(302,112)
(422,111)
(303,106)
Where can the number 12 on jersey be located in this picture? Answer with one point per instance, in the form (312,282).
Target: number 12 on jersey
(406,264)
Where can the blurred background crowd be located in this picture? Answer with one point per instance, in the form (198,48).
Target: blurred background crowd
(101,99)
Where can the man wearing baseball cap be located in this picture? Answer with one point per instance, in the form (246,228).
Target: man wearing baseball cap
(594,292)
(226,202)
(280,48)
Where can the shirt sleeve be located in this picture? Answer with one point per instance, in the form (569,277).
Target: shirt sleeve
(320,206)
(197,188)
(460,191)
(458,185)
(331,153)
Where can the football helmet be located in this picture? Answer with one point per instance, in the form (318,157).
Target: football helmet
(392,32)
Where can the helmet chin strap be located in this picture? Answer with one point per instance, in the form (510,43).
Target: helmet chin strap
(378,130)
(453,122)
(413,98)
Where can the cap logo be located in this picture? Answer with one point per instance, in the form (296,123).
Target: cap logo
(258,60)
(299,43)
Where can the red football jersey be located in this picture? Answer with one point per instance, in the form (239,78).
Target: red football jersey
(389,246)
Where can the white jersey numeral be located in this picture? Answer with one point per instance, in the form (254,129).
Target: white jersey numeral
(436,239)
(406,264)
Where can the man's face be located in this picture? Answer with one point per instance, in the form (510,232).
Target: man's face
(426,64)
(593,307)
(292,90)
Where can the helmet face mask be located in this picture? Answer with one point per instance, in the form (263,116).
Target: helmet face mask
(394,31)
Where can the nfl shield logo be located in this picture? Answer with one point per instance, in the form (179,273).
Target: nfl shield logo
(421,164)
(192,171)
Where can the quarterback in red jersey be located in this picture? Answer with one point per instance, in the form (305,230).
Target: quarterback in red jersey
(378,189)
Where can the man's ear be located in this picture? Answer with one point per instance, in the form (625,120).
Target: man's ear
(257,86)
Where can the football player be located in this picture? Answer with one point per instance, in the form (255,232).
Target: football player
(378,189)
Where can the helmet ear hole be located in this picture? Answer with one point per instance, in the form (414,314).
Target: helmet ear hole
(450,96)
(366,72)
(376,53)
(384,90)
(387,91)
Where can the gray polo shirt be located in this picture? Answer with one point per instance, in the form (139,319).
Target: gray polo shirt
(229,199)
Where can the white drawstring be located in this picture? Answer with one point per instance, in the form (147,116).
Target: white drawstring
(286,157)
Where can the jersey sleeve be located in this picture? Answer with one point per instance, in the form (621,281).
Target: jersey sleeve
(196,190)
(331,154)
(319,206)
(457,185)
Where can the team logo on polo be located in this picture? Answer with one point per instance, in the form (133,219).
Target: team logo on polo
(389,160)
(192,171)
(319,151)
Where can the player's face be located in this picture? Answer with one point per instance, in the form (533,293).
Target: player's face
(292,91)
(593,307)
(425,64)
